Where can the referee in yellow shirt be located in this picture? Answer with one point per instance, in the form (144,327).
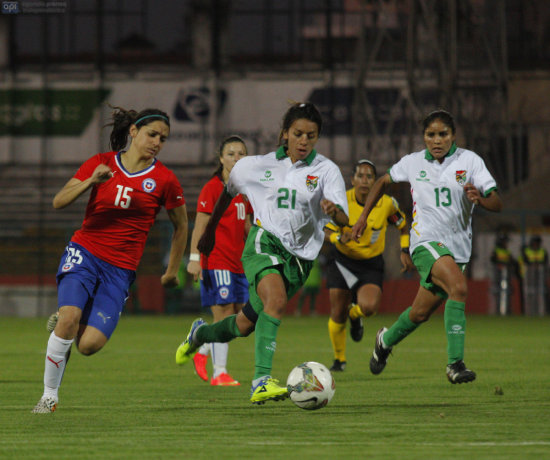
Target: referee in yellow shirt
(356,269)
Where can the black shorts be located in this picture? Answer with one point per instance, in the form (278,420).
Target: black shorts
(345,273)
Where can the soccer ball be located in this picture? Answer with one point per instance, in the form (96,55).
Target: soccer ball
(310,385)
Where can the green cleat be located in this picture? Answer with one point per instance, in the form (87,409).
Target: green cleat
(267,390)
(188,348)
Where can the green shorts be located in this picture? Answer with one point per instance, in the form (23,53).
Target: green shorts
(264,254)
(423,257)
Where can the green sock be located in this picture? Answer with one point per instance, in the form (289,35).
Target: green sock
(265,343)
(222,331)
(455,325)
(400,329)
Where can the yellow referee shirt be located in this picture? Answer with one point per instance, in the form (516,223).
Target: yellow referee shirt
(373,240)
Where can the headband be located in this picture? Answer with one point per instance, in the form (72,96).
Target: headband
(151,116)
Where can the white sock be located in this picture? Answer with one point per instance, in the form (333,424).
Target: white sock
(56,359)
(219,358)
(204,349)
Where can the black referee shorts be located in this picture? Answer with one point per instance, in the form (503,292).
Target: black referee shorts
(345,273)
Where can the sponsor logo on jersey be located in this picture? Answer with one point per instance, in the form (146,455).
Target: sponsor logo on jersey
(422,177)
(149,185)
(224,292)
(311,182)
(67,266)
(267,177)
(461,177)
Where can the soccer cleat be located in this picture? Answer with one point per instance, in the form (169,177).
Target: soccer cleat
(189,347)
(459,373)
(45,406)
(338,366)
(380,354)
(267,390)
(199,361)
(224,380)
(356,329)
(52,321)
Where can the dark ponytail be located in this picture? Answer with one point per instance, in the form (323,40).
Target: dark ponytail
(123,119)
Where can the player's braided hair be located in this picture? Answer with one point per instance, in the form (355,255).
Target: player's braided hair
(297,111)
(123,119)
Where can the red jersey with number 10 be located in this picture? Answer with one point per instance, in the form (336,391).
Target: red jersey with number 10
(122,210)
(230,237)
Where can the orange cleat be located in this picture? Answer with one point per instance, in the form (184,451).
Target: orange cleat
(199,361)
(224,380)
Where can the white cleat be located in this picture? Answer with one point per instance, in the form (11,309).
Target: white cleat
(45,406)
(52,321)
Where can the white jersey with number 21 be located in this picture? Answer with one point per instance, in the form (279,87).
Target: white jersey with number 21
(286,197)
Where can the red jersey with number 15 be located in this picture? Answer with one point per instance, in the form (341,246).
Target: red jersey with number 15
(230,237)
(122,210)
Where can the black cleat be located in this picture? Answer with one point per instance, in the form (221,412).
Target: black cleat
(459,373)
(356,329)
(338,366)
(380,354)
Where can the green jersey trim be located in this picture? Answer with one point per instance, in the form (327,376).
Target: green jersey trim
(488,192)
(281,154)
(452,150)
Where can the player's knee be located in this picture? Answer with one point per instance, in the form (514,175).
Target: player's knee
(419,317)
(459,290)
(276,306)
(87,347)
(368,308)
(339,313)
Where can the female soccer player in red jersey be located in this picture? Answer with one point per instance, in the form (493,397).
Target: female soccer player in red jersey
(128,188)
(223,284)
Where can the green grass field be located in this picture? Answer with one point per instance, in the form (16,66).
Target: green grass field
(132,401)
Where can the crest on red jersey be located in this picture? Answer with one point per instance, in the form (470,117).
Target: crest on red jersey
(149,185)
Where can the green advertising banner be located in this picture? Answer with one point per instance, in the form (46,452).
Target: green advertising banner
(48,112)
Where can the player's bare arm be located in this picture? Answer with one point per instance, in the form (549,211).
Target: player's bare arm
(374,195)
(194,266)
(338,216)
(75,187)
(178,217)
(492,202)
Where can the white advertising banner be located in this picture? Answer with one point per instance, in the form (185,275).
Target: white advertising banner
(65,123)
